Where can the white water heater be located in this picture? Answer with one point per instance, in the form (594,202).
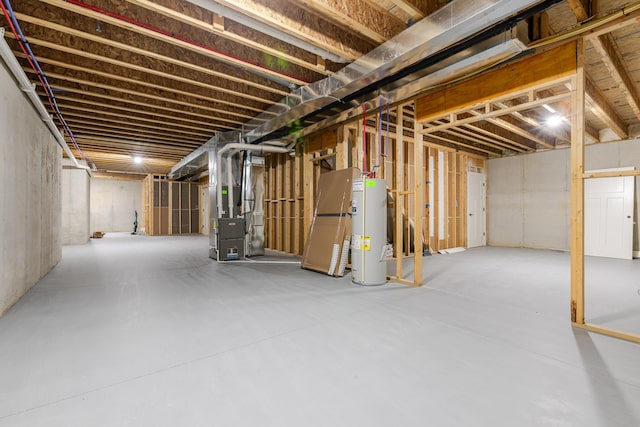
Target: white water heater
(369,224)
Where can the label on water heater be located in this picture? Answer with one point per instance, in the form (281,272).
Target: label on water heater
(357,186)
(371,183)
(355,242)
(366,243)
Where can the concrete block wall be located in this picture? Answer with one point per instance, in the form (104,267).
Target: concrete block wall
(30,195)
(528,196)
(113,202)
(75,205)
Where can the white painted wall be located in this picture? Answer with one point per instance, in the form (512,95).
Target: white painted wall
(30,195)
(528,196)
(75,205)
(113,203)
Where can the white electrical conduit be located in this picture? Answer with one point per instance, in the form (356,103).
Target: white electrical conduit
(231,149)
(30,89)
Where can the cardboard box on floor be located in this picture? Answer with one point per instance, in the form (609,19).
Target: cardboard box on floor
(327,247)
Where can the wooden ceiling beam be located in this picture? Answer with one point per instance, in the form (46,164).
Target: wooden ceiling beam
(477,116)
(143,52)
(92,132)
(125,148)
(477,128)
(603,110)
(165,101)
(606,46)
(616,24)
(259,69)
(368,19)
(286,17)
(122,156)
(111,142)
(581,9)
(534,123)
(119,129)
(492,142)
(409,8)
(155,87)
(510,127)
(178,114)
(209,86)
(489,148)
(530,74)
(461,144)
(92,114)
(126,143)
(219,29)
(167,119)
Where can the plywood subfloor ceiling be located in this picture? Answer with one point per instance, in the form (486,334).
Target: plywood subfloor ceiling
(158,78)
(516,123)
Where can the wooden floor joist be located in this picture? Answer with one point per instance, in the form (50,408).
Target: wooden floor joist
(138,51)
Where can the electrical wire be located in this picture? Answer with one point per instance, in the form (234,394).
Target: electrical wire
(7,10)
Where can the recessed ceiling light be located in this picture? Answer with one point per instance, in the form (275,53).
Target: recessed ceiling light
(554,121)
(137,159)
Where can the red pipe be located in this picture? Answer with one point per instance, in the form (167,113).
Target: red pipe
(45,85)
(182,39)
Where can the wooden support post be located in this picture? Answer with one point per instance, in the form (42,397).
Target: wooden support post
(280,202)
(358,157)
(453,185)
(286,203)
(298,200)
(462,200)
(429,209)
(267,200)
(465,214)
(577,188)
(407,182)
(399,186)
(435,203)
(342,148)
(418,179)
(447,200)
(307,171)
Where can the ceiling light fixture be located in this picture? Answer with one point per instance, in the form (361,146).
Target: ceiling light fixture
(554,121)
(548,108)
(137,160)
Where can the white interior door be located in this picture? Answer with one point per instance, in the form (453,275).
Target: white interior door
(608,216)
(476,213)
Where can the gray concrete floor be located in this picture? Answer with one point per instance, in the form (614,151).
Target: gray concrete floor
(147,331)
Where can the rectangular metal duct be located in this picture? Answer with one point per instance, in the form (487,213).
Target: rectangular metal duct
(457,21)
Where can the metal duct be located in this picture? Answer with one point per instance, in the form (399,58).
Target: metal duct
(458,33)
(267,29)
(446,28)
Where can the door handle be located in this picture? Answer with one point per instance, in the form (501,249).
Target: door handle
(470,214)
